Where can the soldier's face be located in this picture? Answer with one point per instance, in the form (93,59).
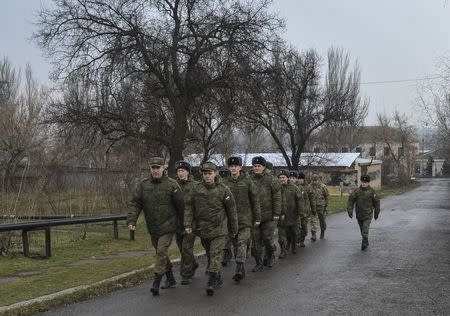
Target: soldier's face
(182,174)
(365,184)
(283,179)
(301,181)
(293,180)
(234,170)
(208,176)
(258,169)
(156,171)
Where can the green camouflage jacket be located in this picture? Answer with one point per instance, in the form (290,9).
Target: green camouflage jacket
(365,201)
(269,193)
(187,187)
(212,211)
(309,200)
(247,201)
(163,205)
(321,194)
(292,200)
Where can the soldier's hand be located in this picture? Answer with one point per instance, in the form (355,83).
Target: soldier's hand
(375,216)
(257,223)
(350,214)
(131,227)
(282,218)
(188,230)
(275,218)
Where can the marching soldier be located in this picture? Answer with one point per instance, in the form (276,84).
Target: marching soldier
(287,226)
(321,195)
(309,207)
(161,200)
(211,215)
(185,242)
(367,205)
(248,211)
(269,193)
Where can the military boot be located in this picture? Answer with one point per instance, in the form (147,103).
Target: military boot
(294,248)
(170,280)
(322,234)
(214,282)
(302,242)
(259,266)
(313,235)
(270,260)
(282,250)
(364,243)
(226,258)
(156,282)
(239,272)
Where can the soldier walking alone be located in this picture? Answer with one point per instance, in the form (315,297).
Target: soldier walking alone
(162,201)
(367,205)
(211,214)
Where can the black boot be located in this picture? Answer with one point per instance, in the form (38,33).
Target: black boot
(282,250)
(240,272)
(259,266)
(270,260)
(322,234)
(214,282)
(294,248)
(226,257)
(170,280)
(313,235)
(364,243)
(302,242)
(156,282)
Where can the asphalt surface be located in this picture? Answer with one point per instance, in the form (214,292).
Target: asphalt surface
(406,271)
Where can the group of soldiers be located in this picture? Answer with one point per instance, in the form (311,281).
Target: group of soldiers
(235,210)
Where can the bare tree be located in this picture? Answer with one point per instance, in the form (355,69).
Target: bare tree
(288,100)
(398,137)
(169,48)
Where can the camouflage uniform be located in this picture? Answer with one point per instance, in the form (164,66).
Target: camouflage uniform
(162,202)
(248,211)
(185,242)
(212,215)
(269,192)
(287,228)
(321,197)
(367,205)
(309,211)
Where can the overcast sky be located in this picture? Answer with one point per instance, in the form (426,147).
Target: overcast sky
(391,39)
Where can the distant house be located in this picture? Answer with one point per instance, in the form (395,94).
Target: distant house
(430,163)
(338,170)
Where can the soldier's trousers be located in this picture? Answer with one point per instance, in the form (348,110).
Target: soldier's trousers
(228,243)
(364,227)
(321,215)
(185,243)
(161,245)
(264,235)
(287,234)
(214,248)
(240,243)
(302,228)
(313,221)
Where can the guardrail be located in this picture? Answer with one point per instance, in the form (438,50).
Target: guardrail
(46,225)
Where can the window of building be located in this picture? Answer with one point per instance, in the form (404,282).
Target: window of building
(331,149)
(344,149)
(358,149)
(372,151)
(316,150)
(386,151)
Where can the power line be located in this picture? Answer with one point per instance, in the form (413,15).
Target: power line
(403,80)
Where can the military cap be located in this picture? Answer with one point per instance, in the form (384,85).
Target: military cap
(156,161)
(365,178)
(259,160)
(183,165)
(269,165)
(224,173)
(284,172)
(234,161)
(301,175)
(208,166)
(293,173)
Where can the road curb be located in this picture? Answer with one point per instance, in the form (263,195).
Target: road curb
(83,292)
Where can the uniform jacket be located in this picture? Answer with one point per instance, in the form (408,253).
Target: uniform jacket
(212,211)
(187,187)
(269,193)
(162,202)
(246,197)
(321,194)
(292,200)
(365,201)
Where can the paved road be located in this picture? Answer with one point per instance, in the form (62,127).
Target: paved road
(406,271)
